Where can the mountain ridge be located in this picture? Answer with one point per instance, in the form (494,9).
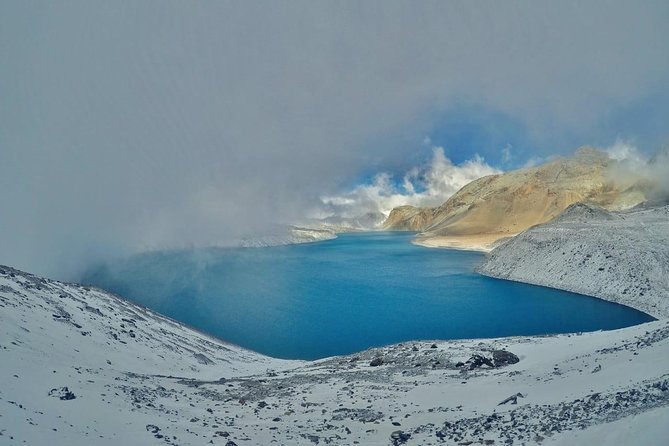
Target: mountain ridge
(499,206)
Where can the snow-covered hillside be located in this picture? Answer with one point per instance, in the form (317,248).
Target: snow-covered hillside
(289,236)
(618,256)
(79,366)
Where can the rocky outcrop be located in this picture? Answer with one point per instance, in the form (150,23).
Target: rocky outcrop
(409,218)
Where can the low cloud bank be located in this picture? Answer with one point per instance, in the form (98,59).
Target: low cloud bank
(428,185)
(634,168)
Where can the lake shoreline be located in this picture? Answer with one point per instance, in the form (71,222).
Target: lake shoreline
(358,291)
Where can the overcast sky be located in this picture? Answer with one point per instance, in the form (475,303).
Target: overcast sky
(127,125)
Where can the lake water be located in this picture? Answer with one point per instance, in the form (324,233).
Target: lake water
(345,295)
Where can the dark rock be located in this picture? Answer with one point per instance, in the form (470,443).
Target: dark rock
(513,399)
(63,394)
(152,428)
(399,437)
(202,359)
(67,396)
(477,361)
(315,439)
(503,357)
(376,361)
(433,346)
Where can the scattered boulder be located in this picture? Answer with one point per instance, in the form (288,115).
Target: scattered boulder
(477,361)
(202,359)
(513,399)
(63,394)
(152,428)
(399,437)
(376,361)
(315,439)
(503,357)
(500,358)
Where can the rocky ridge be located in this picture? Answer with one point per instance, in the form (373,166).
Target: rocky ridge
(499,206)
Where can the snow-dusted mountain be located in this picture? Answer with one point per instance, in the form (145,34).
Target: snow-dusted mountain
(618,256)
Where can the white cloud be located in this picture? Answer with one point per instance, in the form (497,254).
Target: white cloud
(533,161)
(626,152)
(633,166)
(429,185)
(506,154)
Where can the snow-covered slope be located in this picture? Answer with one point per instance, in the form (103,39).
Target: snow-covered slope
(289,236)
(618,256)
(79,366)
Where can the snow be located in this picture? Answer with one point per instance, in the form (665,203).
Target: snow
(291,236)
(140,378)
(617,256)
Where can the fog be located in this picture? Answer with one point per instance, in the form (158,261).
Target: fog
(127,126)
(634,168)
(426,185)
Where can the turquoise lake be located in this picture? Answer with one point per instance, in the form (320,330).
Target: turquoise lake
(345,295)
